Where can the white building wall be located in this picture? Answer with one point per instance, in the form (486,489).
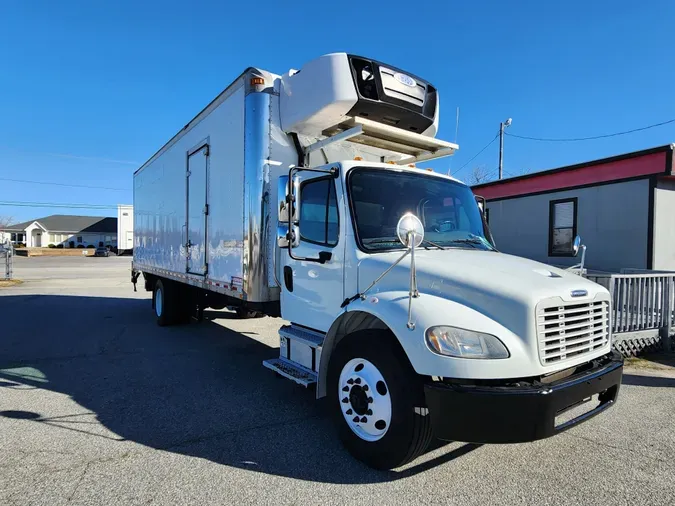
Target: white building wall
(664,231)
(125,227)
(35,236)
(84,238)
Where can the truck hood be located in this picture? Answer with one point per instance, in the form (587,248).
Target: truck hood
(505,288)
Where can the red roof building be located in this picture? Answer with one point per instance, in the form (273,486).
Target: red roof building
(623,208)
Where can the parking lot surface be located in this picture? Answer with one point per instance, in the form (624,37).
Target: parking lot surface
(98,405)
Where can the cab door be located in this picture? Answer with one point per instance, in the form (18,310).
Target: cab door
(312,287)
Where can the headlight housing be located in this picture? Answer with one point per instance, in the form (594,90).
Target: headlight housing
(462,343)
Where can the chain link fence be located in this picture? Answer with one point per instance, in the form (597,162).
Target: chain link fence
(6,259)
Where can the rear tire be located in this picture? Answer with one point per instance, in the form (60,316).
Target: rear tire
(245,313)
(164,302)
(397,428)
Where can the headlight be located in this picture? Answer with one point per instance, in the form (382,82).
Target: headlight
(455,342)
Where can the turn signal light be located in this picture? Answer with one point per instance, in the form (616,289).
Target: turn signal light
(358,158)
(257,80)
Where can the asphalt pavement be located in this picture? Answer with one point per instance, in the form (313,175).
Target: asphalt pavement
(98,405)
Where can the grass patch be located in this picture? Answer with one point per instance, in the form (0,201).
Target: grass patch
(5,283)
(660,361)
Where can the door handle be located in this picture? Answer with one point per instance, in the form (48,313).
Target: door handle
(288,278)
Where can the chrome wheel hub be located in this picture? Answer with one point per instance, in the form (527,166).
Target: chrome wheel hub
(364,399)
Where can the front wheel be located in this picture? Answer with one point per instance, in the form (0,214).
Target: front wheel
(377,401)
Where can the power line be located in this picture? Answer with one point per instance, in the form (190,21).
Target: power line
(56,205)
(474,156)
(575,139)
(64,184)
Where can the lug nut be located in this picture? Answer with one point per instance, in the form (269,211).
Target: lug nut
(364,419)
(356,419)
(345,389)
(370,400)
(369,412)
(357,381)
(350,381)
(345,400)
(349,411)
(365,388)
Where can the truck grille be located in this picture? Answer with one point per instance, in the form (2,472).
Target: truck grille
(568,330)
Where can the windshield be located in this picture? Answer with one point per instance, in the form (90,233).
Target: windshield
(448,210)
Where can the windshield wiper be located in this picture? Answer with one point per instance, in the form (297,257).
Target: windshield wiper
(427,241)
(472,242)
(385,241)
(380,241)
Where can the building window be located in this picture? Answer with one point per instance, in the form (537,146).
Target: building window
(562,227)
(79,238)
(319,212)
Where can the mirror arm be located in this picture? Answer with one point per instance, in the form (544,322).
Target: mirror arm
(362,295)
(413,293)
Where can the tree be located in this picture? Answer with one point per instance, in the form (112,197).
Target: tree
(479,175)
(5,221)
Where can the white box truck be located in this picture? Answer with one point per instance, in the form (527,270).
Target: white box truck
(125,229)
(297,196)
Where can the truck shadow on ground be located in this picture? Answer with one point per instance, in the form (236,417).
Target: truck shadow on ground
(196,390)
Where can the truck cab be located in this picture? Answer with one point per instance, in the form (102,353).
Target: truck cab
(405,314)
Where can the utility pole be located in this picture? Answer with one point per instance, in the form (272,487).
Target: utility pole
(502,126)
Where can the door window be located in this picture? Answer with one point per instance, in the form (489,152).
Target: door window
(319,212)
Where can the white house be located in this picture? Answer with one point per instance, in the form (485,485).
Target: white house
(125,227)
(66,230)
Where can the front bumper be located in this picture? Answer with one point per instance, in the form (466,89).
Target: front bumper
(515,414)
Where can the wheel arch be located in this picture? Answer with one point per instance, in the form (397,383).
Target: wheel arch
(347,323)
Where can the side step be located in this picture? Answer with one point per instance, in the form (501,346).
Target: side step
(304,336)
(292,371)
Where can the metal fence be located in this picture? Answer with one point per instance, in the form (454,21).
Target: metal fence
(643,310)
(6,259)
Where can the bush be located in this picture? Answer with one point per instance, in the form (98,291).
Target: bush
(59,246)
(91,246)
(51,245)
(80,246)
(20,245)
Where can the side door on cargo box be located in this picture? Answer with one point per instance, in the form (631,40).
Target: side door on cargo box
(196,208)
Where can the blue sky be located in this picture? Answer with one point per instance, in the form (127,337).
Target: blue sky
(89,90)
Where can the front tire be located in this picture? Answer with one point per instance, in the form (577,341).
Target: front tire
(377,400)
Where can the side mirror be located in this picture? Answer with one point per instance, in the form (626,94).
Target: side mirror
(282,202)
(410,230)
(284,206)
(481,204)
(284,238)
(576,245)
